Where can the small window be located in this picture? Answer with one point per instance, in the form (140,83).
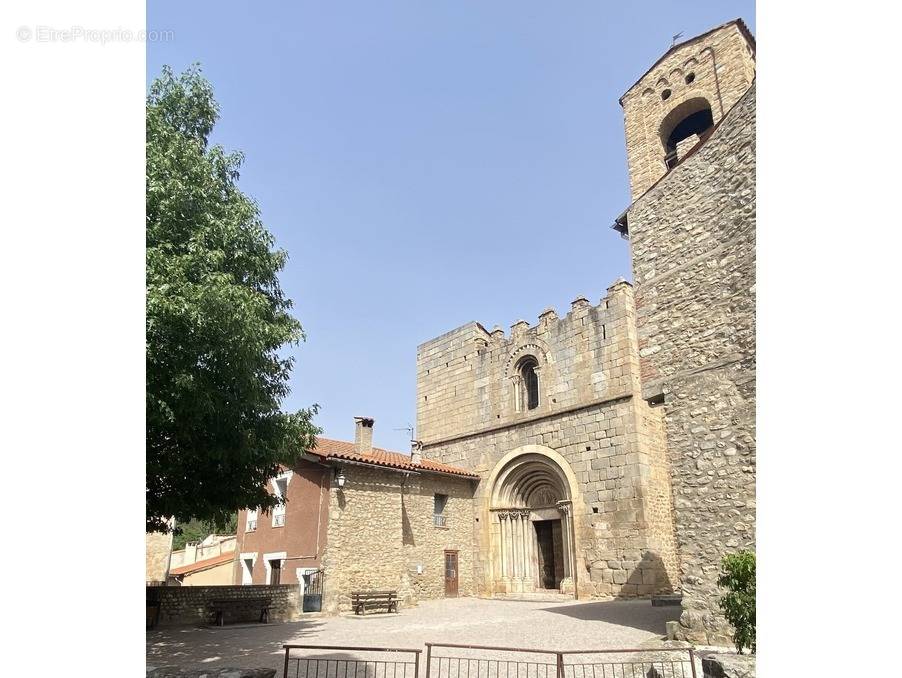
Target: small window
(690,78)
(280,489)
(665,95)
(530,383)
(439,503)
(275,574)
(251,520)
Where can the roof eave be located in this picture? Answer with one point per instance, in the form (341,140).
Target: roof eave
(204,566)
(415,469)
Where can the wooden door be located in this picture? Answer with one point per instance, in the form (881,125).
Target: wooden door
(545,540)
(451,574)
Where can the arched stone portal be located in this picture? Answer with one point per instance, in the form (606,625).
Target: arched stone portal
(532,534)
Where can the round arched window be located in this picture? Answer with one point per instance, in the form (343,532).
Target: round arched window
(665,95)
(529,379)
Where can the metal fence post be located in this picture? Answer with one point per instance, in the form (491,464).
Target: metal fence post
(692,662)
(428,658)
(560,665)
(285,671)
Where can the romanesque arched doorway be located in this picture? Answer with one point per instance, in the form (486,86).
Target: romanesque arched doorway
(532,529)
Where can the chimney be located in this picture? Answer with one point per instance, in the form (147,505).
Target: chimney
(416,452)
(190,553)
(363,434)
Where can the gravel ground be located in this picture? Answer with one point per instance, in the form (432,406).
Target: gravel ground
(512,623)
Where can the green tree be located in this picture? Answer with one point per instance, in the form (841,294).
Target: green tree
(217,320)
(738,605)
(198,530)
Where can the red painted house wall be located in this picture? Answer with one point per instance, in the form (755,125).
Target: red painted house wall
(302,538)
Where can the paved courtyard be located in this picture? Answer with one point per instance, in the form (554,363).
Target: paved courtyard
(514,623)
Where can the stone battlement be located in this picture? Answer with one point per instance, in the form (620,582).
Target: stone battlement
(578,307)
(467,378)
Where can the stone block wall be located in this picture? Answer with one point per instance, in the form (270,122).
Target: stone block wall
(157,547)
(190,605)
(728,665)
(590,413)
(615,552)
(382,535)
(465,378)
(721,64)
(693,248)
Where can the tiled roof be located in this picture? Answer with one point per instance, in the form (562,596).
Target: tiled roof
(339,449)
(203,564)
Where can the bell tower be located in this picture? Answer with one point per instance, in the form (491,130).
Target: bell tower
(679,100)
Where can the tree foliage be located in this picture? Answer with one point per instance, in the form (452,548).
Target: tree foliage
(198,530)
(738,577)
(216,321)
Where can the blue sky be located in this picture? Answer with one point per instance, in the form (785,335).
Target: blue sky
(425,164)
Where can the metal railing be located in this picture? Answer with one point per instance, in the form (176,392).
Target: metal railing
(251,525)
(439,520)
(278,520)
(336,661)
(445,660)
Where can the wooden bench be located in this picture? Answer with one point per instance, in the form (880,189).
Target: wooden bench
(219,607)
(374,600)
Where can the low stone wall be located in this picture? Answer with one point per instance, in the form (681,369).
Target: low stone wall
(186,605)
(178,672)
(728,665)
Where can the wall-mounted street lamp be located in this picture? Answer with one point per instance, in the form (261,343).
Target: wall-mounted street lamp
(340,477)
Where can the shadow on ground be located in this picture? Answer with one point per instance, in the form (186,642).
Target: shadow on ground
(240,645)
(637,614)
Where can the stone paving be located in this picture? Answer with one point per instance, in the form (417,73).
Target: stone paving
(528,624)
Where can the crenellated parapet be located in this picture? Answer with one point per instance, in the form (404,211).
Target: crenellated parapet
(471,378)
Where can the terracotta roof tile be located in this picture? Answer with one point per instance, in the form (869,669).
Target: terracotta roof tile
(340,449)
(203,564)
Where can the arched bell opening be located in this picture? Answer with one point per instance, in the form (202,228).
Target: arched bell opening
(532,530)
(691,120)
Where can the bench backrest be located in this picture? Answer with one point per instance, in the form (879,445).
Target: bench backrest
(385,594)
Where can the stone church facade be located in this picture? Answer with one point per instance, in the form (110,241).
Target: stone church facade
(615,445)
(575,490)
